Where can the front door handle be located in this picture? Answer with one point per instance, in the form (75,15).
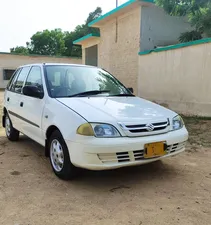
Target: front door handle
(21,104)
(8,99)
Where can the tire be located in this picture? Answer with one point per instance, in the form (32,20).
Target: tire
(59,157)
(11,132)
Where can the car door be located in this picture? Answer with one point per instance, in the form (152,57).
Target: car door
(32,108)
(7,93)
(13,96)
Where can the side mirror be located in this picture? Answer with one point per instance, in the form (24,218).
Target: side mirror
(32,91)
(130,89)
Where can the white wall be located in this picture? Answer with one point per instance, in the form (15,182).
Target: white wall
(178,78)
(160,29)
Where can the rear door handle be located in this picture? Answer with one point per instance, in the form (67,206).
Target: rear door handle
(21,104)
(8,99)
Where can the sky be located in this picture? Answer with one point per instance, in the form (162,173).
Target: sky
(20,19)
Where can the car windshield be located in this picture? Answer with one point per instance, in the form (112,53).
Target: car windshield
(81,81)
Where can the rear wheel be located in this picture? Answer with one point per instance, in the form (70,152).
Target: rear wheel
(11,132)
(59,157)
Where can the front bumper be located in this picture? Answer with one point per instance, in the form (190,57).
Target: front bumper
(111,153)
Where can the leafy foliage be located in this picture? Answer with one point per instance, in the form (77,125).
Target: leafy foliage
(190,36)
(59,43)
(47,43)
(20,50)
(198,13)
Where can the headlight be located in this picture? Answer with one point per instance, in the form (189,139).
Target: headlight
(98,130)
(177,123)
(105,130)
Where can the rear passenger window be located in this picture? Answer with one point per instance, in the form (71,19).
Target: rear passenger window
(18,84)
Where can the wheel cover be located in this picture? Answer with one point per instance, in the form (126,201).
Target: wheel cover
(57,155)
(7,126)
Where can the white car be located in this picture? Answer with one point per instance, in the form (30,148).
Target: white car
(84,117)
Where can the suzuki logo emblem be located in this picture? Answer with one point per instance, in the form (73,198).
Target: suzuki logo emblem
(150,127)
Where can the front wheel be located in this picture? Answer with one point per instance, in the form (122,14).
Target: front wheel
(59,157)
(11,132)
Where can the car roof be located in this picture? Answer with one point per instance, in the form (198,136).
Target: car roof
(56,64)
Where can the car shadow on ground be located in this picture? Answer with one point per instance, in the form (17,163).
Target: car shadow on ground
(124,177)
(110,180)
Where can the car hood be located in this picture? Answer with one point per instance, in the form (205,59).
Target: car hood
(120,109)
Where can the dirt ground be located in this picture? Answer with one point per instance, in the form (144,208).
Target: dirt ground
(174,191)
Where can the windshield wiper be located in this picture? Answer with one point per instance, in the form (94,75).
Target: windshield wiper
(122,95)
(88,93)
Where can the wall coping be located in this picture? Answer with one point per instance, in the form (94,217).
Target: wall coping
(86,37)
(181,45)
(34,55)
(117,10)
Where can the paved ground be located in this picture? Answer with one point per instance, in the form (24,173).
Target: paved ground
(174,191)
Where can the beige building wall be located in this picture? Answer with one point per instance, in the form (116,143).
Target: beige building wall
(119,46)
(179,78)
(10,61)
(89,43)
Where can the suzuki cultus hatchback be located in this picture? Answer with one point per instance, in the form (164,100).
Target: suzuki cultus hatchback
(84,117)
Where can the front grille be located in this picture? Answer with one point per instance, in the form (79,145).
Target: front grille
(138,155)
(121,157)
(145,130)
(143,127)
(175,147)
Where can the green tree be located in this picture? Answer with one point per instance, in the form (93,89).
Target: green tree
(93,16)
(69,37)
(47,43)
(198,13)
(20,50)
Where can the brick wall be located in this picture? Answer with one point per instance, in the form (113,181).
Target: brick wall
(121,57)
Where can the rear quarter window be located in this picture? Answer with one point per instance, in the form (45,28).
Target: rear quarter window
(13,78)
